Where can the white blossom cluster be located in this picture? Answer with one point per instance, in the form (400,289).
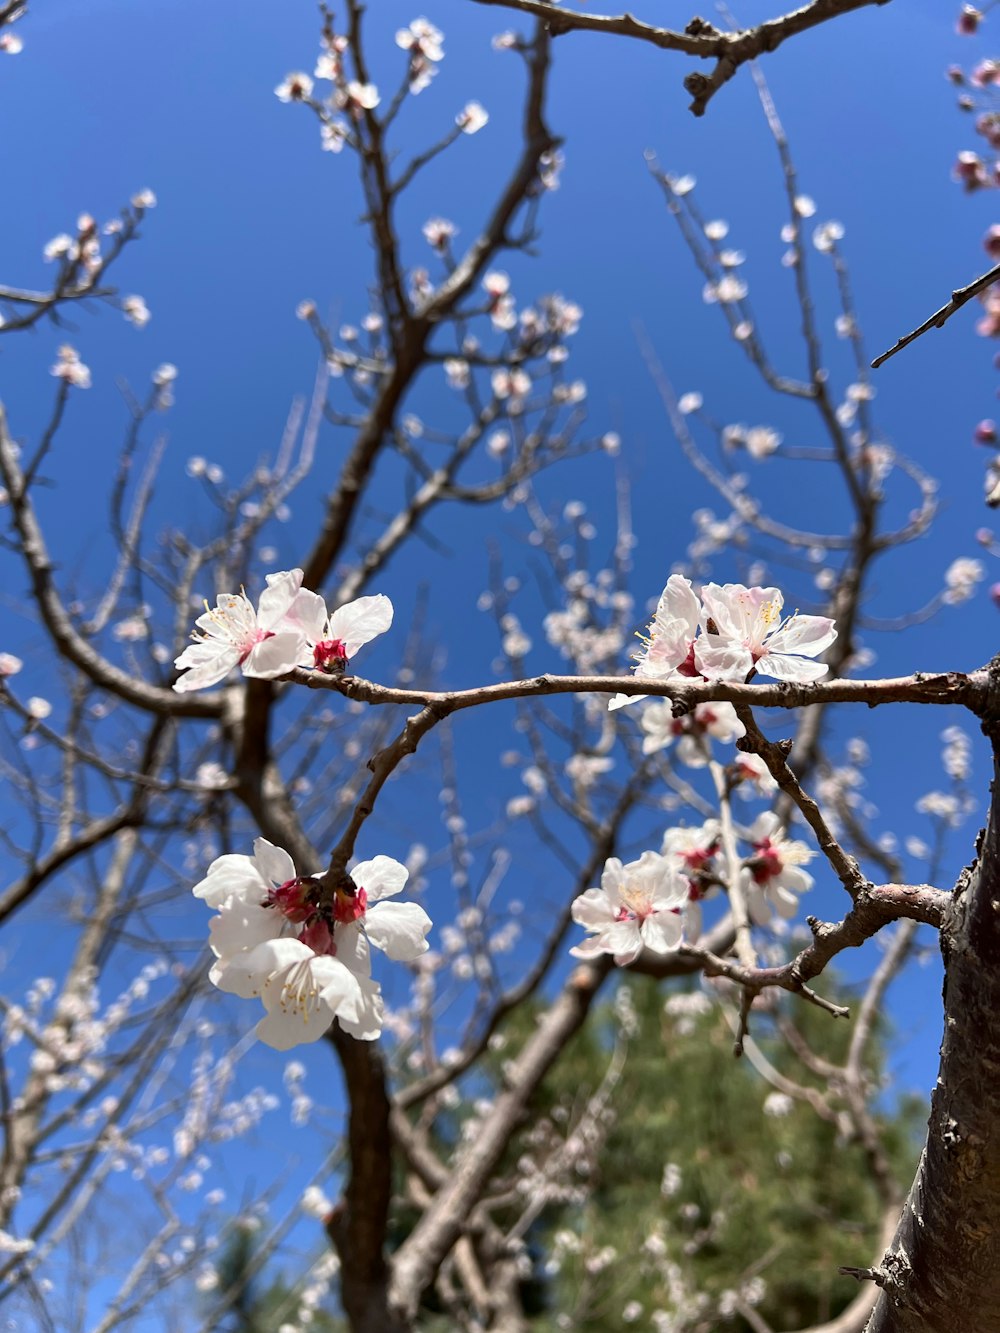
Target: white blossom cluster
(729,633)
(291,627)
(307,955)
(650,903)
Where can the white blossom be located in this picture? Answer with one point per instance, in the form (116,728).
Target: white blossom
(234,634)
(745,632)
(472,118)
(294,87)
(639,905)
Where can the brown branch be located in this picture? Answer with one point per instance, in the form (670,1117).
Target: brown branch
(68,641)
(701,39)
(774,755)
(968,689)
(422,1253)
(874,907)
(959,297)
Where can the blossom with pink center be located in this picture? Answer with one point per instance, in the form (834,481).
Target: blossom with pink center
(772,876)
(423,37)
(364,917)
(751,768)
(970,171)
(472,118)
(358,97)
(661,728)
(692,849)
(70,368)
(744,631)
(275,937)
(294,87)
(438,232)
(668,646)
(639,905)
(234,634)
(330,641)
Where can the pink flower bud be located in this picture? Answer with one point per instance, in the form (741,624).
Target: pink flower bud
(984,536)
(968,21)
(995,594)
(986,432)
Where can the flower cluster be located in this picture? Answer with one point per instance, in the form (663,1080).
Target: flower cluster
(306,954)
(290,628)
(731,633)
(651,903)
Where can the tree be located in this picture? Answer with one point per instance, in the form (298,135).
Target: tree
(139,768)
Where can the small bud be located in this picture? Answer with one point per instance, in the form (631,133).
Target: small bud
(986,432)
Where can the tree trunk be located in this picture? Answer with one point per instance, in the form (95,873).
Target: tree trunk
(941,1273)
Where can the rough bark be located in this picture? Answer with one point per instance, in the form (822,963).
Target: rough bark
(941,1272)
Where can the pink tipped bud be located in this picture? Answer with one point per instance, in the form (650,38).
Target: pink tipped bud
(968,21)
(984,536)
(995,594)
(991,241)
(986,432)
(955,74)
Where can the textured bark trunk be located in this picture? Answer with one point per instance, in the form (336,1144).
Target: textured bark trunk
(941,1273)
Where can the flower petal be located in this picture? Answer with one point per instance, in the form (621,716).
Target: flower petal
(274,864)
(662,931)
(807,635)
(227,874)
(399,930)
(593,910)
(274,656)
(277,597)
(798,670)
(381,877)
(360,621)
(721,659)
(204,664)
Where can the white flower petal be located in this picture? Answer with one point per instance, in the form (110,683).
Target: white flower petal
(399,930)
(360,621)
(277,597)
(204,664)
(798,670)
(273,863)
(382,877)
(721,659)
(661,932)
(807,635)
(275,656)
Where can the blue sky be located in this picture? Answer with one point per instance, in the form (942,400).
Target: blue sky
(112,97)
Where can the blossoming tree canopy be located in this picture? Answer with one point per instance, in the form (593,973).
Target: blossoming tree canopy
(291,627)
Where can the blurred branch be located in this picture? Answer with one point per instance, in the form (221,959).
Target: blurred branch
(699,38)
